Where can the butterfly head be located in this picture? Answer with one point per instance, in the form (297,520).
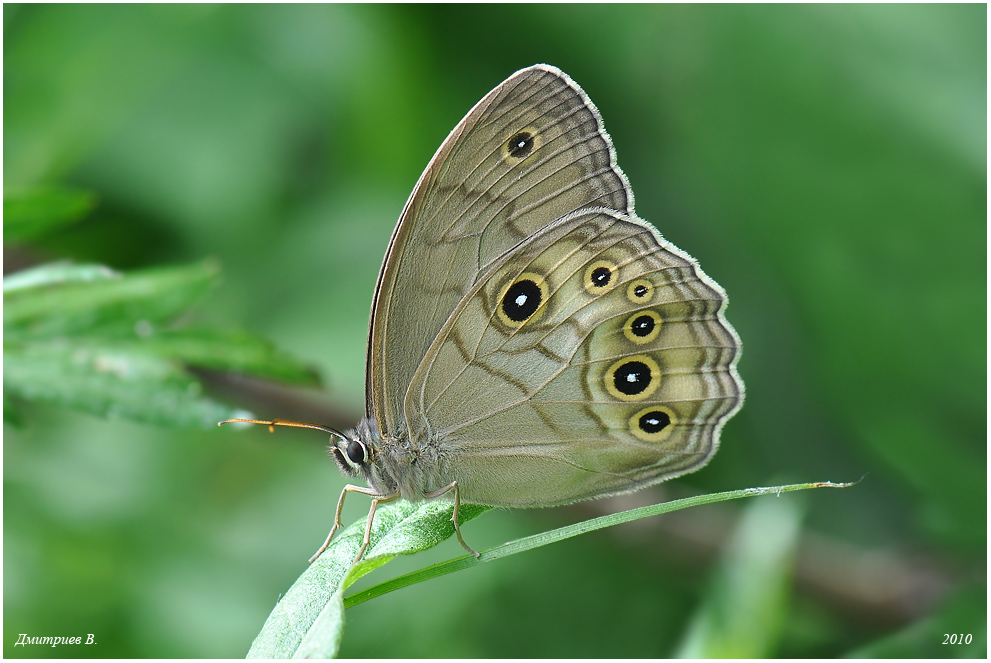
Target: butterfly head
(349,449)
(350,453)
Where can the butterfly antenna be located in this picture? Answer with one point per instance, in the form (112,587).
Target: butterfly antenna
(282,422)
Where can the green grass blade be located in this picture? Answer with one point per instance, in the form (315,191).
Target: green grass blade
(569,531)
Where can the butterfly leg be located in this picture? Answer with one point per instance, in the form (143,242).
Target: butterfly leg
(337,517)
(454,517)
(368,525)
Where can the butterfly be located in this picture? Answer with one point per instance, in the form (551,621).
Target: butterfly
(532,341)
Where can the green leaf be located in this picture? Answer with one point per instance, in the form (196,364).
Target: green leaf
(90,338)
(54,274)
(309,620)
(747,600)
(31,214)
(108,381)
(569,531)
(118,304)
(236,351)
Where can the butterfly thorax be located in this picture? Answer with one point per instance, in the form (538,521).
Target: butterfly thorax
(395,463)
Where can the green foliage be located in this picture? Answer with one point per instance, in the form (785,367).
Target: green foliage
(90,338)
(943,635)
(309,621)
(748,598)
(86,299)
(826,164)
(30,215)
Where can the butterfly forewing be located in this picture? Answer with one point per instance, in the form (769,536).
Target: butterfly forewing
(528,154)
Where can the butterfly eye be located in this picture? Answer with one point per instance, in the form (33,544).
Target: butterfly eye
(600,277)
(521,299)
(643,327)
(633,378)
(640,291)
(653,424)
(356,454)
(521,145)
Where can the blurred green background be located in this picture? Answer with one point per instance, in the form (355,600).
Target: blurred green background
(825,164)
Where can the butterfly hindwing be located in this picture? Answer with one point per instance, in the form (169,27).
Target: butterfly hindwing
(590,359)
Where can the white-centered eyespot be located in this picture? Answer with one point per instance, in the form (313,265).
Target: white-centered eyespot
(640,291)
(522,299)
(521,145)
(633,378)
(653,424)
(643,327)
(601,277)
